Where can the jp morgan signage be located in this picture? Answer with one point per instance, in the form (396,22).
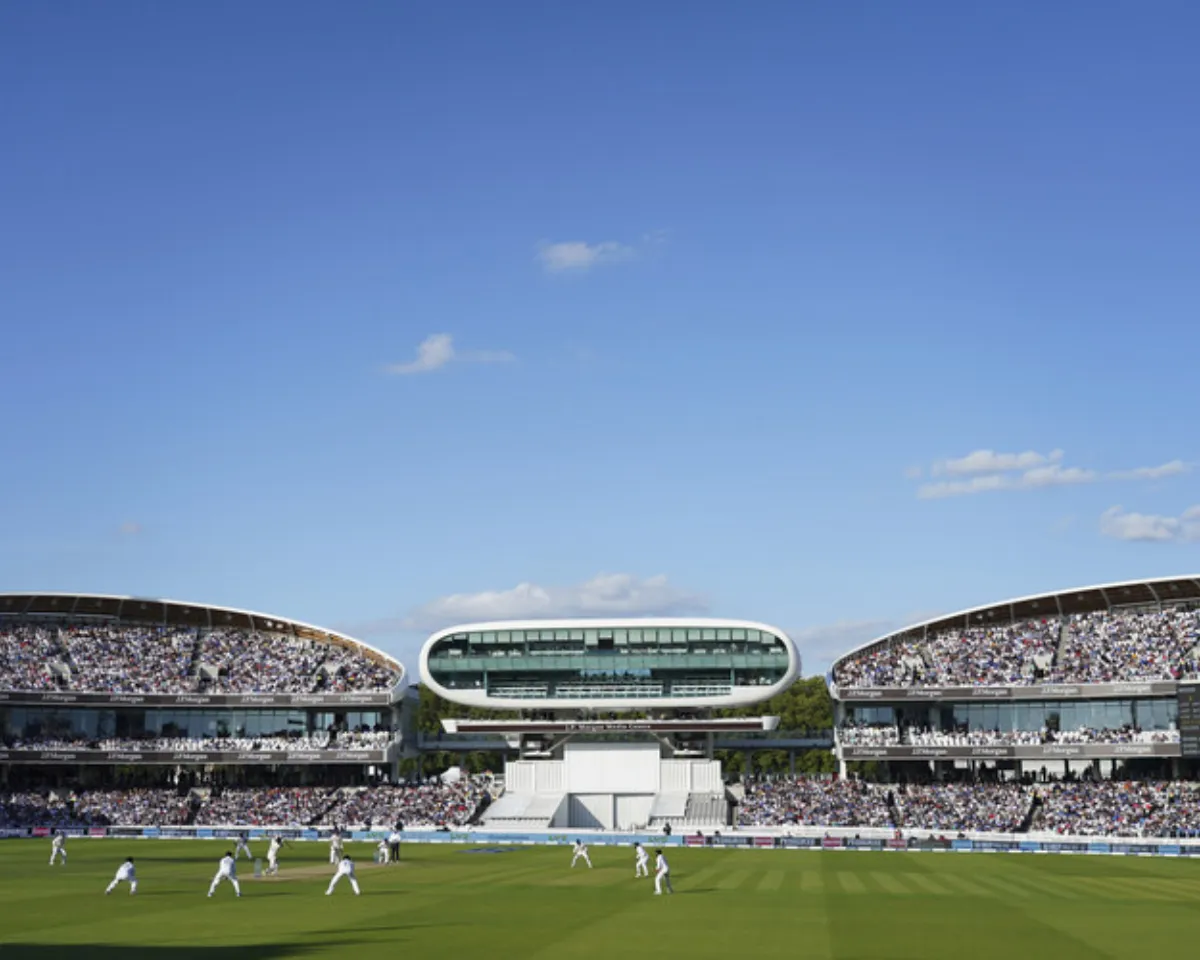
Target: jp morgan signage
(255,757)
(1044,751)
(1049,691)
(369,699)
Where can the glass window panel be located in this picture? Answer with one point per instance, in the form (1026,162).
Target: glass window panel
(708,634)
(723,634)
(739,634)
(679,635)
(621,636)
(562,635)
(576,635)
(635,636)
(489,636)
(504,636)
(693,635)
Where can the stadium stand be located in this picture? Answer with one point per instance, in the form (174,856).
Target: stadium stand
(130,659)
(1100,646)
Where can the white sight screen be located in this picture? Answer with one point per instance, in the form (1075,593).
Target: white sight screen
(612,767)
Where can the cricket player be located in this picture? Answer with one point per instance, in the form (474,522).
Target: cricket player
(124,872)
(641,867)
(383,852)
(662,874)
(394,843)
(345,869)
(335,846)
(273,855)
(243,846)
(226,870)
(581,851)
(58,848)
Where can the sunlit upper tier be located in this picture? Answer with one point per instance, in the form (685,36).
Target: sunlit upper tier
(611,665)
(1143,630)
(124,645)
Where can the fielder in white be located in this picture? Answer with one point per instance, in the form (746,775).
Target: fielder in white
(335,847)
(273,855)
(641,867)
(126,873)
(58,848)
(345,869)
(226,870)
(662,874)
(242,847)
(581,851)
(384,852)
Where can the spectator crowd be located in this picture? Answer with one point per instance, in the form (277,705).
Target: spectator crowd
(132,659)
(346,740)
(1102,647)
(1115,808)
(431,804)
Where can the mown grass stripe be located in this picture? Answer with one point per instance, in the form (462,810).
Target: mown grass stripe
(851,882)
(889,883)
(772,881)
(733,880)
(928,884)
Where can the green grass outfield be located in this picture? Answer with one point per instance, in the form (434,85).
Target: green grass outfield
(442,901)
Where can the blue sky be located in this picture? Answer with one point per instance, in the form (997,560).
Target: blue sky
(368,314)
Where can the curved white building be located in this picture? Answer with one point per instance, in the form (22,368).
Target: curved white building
(610,664)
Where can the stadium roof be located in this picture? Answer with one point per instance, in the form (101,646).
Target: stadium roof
(1131,593)
(177,613)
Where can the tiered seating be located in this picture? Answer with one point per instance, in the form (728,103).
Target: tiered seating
(706,810)
(1100,647)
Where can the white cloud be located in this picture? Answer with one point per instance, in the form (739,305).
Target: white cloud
(958,488)
(438,349)
(605,595)
(989,461)
(1172,469)
(1055,475)
(983,471)
(578,256)
(1151,527)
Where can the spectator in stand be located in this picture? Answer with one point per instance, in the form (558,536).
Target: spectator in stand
(124,658)
(431,804)
(811,802)
(1102,647)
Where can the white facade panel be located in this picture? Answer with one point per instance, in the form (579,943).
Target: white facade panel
(592,811)
(612,767)
(633,811)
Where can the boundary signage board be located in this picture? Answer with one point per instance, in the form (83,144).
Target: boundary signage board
(1045,751)
(1048,691)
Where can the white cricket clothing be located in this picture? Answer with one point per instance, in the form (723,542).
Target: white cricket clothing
(642,866)
(58,849)
(345,868)
(126,874)
(226,870)
(581,851)
(662,874)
